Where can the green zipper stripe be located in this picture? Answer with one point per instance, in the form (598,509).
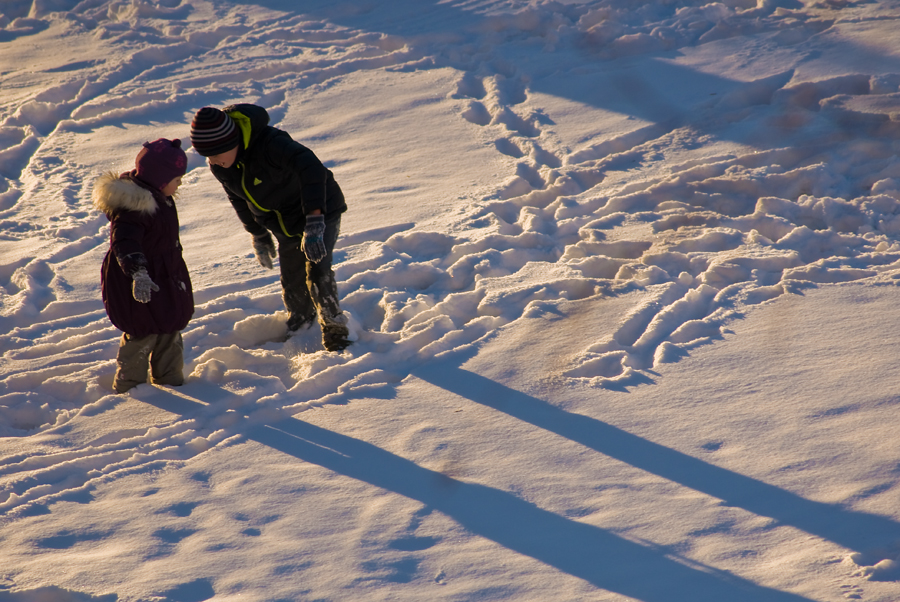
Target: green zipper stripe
(257,205)
(243,123)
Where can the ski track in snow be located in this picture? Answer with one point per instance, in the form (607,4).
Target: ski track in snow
(706,240)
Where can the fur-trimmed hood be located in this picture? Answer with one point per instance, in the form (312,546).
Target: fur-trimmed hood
(115,193)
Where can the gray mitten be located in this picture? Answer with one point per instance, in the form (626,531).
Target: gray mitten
(141,285)
(314,238)
(264,247)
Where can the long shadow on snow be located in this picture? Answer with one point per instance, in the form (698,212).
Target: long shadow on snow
(585,551)
(854,530)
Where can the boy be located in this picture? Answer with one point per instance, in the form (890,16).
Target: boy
(278,186)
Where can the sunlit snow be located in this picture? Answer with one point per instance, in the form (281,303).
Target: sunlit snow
(621,279)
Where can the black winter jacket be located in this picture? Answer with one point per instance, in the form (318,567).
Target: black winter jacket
(275,182)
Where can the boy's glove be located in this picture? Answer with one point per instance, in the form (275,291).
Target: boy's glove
(313,243)
(264,247)
(141,285)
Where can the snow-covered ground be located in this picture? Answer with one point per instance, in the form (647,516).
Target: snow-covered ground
(622,279)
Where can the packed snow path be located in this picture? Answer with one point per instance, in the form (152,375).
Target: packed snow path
(628,169)
(807,192)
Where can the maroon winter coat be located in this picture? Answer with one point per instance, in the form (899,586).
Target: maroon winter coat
(143,231)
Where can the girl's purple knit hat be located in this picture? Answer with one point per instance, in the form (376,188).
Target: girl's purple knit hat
(160,162)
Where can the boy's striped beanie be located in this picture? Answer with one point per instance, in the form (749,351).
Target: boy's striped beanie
(213,132)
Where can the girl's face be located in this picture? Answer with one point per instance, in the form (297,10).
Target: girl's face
(170,188)
(225,159)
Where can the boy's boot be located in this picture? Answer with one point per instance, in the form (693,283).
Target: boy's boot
(335,332)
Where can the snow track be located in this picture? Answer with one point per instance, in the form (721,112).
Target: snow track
(706,238)
(708,203)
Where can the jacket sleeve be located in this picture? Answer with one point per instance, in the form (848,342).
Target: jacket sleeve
(284,153)
(240,207)
(126,232)
(245,215)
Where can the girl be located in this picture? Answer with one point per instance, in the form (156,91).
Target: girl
(144,281)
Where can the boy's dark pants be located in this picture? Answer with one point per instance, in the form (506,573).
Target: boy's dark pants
(309,289)
(163,353)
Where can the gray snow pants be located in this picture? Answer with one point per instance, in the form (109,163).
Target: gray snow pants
(163,354)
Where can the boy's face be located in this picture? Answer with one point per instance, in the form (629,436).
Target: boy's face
(225,159)
(170,188)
